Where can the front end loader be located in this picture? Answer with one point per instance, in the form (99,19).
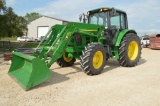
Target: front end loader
(103,34)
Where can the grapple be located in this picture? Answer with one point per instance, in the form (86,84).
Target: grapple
(28,71)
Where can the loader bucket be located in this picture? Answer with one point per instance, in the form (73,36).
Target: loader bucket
(28,71)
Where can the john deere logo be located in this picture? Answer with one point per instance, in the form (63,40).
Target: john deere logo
(69,34)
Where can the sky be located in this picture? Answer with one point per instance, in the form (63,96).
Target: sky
(143,15)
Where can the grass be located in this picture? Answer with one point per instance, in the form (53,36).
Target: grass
(9,39)
(30,45)
(23,45)
(15,44)
(26,44)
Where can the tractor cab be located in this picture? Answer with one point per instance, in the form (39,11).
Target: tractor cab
(109,17)
(114,21)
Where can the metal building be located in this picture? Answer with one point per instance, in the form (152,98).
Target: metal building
(40,26)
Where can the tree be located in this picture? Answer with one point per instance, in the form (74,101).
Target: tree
(11,24)
(146,36)
(2,5)
(32,16)
(17,25)
(2,18)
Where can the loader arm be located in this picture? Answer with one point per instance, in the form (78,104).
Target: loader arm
(55,50)
(62,38)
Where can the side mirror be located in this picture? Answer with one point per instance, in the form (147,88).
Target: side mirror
(80,17)
(83,17)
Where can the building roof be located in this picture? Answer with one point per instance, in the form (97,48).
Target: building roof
(155,35)
(54,18)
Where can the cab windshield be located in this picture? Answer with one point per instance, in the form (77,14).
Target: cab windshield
(98,18)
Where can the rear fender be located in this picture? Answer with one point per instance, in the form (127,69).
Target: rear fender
(122,34)
(119,39)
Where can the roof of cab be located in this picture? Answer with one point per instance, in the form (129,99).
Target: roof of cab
(98,9)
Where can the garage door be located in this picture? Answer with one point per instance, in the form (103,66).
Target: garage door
(42,30)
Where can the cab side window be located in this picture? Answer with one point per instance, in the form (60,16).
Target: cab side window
(122,21)
(115,21)
(118,21)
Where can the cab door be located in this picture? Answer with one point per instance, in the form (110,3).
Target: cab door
(118,22)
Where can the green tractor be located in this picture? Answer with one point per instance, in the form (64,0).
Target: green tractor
(103,34)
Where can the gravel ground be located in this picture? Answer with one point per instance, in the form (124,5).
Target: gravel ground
(115,86)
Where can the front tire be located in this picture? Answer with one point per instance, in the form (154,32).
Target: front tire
(93,59)
(129,50)
(64,61)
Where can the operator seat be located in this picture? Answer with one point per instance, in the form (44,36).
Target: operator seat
(114,33)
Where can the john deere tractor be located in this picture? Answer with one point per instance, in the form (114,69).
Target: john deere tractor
(103,34)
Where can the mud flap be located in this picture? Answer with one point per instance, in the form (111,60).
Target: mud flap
(28,71)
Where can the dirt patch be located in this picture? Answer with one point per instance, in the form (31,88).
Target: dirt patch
(69,86)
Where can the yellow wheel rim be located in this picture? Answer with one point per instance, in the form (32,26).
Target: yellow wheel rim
(66,58)
(97,60)
(133,50)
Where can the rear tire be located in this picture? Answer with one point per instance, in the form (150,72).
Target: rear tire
(129,50)
(65,62)
(93,59)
